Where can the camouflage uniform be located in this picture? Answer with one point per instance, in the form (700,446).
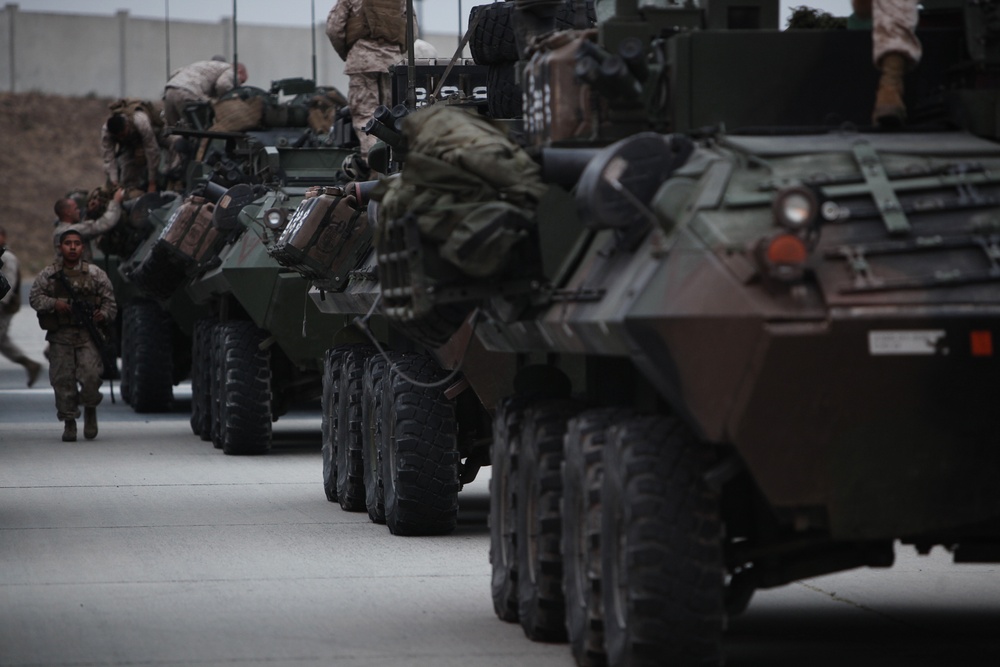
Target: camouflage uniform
(366,57)
(134,164)
(89,229)
(203,80)
(74,361)
(8,348)
(893,26)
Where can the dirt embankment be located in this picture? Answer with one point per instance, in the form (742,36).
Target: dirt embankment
(49,145)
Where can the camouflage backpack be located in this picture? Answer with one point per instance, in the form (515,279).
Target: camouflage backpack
(127,106)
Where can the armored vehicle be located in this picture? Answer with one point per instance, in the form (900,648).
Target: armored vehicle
(753,335)
(200,271)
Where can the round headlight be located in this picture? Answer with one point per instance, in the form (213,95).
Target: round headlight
(796,208)
(274,218)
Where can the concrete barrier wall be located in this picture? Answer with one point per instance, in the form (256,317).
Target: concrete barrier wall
(118,56)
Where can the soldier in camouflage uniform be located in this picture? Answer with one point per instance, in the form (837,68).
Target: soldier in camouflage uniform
(10,303)
(74,359)
(200,81)
(130,149)
(68,217)
(369,35)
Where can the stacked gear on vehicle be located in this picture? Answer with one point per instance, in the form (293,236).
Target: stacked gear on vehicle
(461,206)
(327,236)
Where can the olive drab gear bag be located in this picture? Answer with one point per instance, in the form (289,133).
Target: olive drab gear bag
(14,304)
(472,191)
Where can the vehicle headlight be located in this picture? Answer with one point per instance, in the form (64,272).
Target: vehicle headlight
(796,208)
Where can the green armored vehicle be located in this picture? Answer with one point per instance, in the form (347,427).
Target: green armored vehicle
(753,337)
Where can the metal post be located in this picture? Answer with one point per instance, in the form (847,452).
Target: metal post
(11,10)
(166,21)
(312,7)
(122,60)
(236,73)
(411,66)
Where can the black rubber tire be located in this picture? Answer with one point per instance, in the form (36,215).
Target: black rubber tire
(246,377)
(348,443)
(419,450)
(217,405)
(152,377)
(503,96)
(201,394)
(127,356)
(493,40)
(371,434)
(331,388)
(541,606)
(503,507)
(583,449)
(565,18)
(661,547)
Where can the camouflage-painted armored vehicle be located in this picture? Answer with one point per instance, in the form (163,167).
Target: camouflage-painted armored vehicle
(753,337)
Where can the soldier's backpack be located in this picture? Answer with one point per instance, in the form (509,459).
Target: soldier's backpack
(127,106)
(386,20)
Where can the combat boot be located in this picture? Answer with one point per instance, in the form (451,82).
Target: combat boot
(90,423)
(890,110)
(69,432)
(33,368)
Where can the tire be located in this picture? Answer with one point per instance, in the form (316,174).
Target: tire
(586,435)
(565,17)
(503,94)
(420,450)
(331,387)
(372,435)
(201,394)
(127,355)
(503,508)
(493,40)
(541,606)
(217,405)
(347,433)
(152,377)
(246,390)
(661,547)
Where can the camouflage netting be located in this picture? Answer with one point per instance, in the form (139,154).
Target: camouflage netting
(472,190)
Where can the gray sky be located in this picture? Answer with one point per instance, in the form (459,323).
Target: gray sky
(437,16)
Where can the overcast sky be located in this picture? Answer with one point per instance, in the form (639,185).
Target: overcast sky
(437,16)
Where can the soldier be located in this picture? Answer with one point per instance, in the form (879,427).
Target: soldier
(74,359)
(68,217)
(200,81)
(131,152)
(369,35)
(895,50)
(9,305)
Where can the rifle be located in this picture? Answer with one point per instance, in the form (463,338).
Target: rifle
(83,315)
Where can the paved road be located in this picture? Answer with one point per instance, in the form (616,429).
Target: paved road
(149,547)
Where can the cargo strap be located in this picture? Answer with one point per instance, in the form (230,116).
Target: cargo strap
(882,191)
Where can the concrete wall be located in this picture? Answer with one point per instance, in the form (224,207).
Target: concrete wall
(117,56)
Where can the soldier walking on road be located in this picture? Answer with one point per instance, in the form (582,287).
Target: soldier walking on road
(369,35)
(64,293)
(201,81)
(68,217)
(9,305)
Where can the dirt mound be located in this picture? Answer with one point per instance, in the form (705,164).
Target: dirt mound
(49,145)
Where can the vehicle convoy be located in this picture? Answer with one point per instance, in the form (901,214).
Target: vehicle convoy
(752,335)
(202,270)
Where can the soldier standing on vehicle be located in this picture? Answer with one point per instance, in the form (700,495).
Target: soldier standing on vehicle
(64,293)
(131,152)
(68,217)
(895,51)
(9,305)
(204,80)
(369,35)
